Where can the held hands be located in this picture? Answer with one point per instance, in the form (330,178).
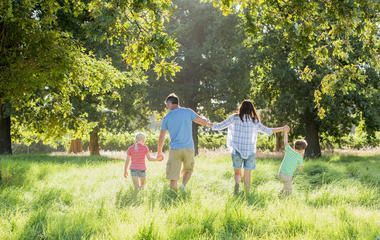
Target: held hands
(286,128)
(160,156)
(207,123)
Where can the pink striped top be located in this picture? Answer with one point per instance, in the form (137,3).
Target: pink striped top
(138,156)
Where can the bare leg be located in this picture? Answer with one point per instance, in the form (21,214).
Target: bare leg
(247,180)
(237,180)
(173,185)
(287,189)
(237,175)
(186,177)
(136,184)
(142,183)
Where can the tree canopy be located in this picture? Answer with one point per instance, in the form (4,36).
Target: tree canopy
(316,62)
(76,67)
(48,58)
(212,60)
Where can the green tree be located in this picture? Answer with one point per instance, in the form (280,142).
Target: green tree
(44,65)
(99,109)
(316,63)
(212,60)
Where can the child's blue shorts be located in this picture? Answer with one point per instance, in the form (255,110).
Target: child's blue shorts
(239,162)
(138,173)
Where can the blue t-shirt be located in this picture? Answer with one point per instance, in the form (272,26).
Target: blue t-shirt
(179,123)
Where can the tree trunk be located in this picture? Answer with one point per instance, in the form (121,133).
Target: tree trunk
(76,146)
(279,142)
(313,149)
(94,142)
(5,131)
(195,138)
(193,105)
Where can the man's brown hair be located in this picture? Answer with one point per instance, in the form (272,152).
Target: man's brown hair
(300,145)
(172,98)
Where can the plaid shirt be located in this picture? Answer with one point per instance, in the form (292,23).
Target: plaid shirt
(242,136)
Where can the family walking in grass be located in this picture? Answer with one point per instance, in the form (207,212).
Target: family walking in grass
(243,128)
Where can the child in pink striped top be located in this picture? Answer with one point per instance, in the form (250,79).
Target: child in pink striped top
(136,155)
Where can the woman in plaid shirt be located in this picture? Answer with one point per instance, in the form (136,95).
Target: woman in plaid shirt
(243,128)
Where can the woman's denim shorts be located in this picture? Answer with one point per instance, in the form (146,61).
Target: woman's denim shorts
(248,163)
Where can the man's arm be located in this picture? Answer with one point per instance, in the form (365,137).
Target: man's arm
(161,141)
(201,121)
(150,158)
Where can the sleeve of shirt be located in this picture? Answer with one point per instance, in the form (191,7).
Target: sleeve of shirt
(129,151)
(223,125)
(288,148)
(264,129)
(193,115)
(164,124)
(146,150)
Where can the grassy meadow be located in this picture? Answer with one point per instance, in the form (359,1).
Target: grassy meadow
(81,197)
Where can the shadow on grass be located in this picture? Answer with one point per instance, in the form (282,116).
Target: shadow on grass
(36,227)
(15,170)
(257,200)
(334,168)
(235,222)
(350,158)
(45,158)
(13,174)
(367,174)
(72,225)
(147,232)
(318,174)
(341,182)
(52,196)
(10,199)
(128,197)
(171,198)
(321,173)
(254,199)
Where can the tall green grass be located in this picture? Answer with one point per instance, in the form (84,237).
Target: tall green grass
(45,197)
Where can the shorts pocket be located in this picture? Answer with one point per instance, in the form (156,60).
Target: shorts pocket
(237,161)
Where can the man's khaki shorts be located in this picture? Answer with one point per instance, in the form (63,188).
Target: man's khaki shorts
(177,157)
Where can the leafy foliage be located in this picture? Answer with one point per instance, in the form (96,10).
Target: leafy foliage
(212,58)
(315,64)
(51,57)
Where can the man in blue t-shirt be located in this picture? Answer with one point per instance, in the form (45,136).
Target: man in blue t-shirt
(179,123)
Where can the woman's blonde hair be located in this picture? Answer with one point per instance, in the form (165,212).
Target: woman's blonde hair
(139,137)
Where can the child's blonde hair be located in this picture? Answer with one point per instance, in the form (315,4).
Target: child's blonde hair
(139,137)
